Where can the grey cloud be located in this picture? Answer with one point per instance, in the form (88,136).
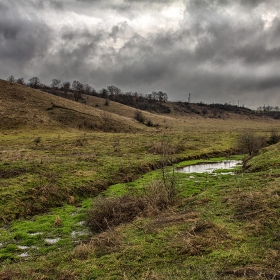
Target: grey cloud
(57,5)
(21,40)
(216,55)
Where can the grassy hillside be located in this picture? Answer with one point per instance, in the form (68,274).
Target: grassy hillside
(24,107)
(54,169)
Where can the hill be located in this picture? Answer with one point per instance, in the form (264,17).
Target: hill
(24,107)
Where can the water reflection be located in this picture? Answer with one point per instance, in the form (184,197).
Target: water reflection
(209,167)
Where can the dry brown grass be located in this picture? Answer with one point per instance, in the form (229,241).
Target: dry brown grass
(201,238)
(24,107)
(108,213)
(259,210)
(169,218)
(253,273)
(101,244)
(57,221)
(7,275)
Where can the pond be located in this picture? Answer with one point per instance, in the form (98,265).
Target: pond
(209,167)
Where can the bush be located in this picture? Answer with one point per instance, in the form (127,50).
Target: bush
(110,212)
(249,143)
(159,195)
(274,137)
(107,213)
(139,116)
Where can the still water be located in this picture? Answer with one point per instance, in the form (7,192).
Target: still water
(209,167)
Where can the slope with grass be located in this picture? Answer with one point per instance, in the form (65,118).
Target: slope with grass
(22,107)
(53,164)
(219,227)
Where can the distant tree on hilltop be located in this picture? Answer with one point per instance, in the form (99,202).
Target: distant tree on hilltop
(55,83)
(78,89)
(11,79)
(34,82)
(66,87)
(20,81)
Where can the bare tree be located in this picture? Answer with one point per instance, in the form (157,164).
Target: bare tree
(162,97)
(78,89)
(34,82)
(249,142)
(87,89)
(11,79)
(66,87)
(20,81)
(55,83)
(114,92)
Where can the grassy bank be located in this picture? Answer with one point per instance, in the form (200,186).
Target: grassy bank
(65,167)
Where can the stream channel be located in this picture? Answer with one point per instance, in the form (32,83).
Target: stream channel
(56,237)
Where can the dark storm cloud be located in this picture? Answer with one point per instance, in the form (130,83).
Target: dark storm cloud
(220,50)
(221,40)
(21,39)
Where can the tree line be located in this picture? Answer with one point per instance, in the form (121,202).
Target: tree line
(152,101)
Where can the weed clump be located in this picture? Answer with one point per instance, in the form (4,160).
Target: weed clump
(58,222)
(138,116)
(108,213)
(201,239)
(37,141)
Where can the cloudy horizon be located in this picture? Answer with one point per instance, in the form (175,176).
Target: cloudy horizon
(218,50)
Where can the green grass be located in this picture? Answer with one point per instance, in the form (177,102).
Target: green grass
(30,235)
(206,235)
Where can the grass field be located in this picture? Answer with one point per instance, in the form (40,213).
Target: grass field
(52,173)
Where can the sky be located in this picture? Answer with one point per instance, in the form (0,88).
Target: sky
(220,51)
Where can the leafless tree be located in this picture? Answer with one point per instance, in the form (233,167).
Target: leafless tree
(55,83)
(78,89)
(11,79)
(34,82)
(66,87)
(87,89)
(249,142)
(20,81)
(113,92)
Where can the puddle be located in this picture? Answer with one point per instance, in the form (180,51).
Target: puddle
(209,167)
(35,233)
(75,234)
(23,247)
(52,240)
(24,255)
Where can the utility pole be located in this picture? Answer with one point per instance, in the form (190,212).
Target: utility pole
(189,99)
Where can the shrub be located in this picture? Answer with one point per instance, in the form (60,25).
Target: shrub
(159,195)
(139,116)
(107,213)
(249,143)
(274,137)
